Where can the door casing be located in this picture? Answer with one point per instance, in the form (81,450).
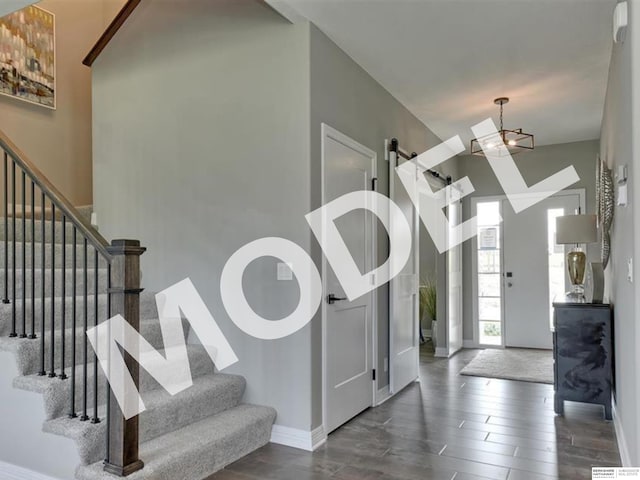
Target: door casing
(329,132)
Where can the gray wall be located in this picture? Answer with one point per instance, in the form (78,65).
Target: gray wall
(618,141)
(59,141)
(347,98)
(23,442)
(201,145)
(534,166)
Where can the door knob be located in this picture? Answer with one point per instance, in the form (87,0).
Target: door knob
(331,298)
(509,284)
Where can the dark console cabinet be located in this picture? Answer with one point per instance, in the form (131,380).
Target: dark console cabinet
(583,354)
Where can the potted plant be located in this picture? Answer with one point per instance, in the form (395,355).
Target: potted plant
(428,305)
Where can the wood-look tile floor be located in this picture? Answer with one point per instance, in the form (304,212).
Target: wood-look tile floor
(449,427)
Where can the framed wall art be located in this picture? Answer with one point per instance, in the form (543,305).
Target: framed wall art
(28,56)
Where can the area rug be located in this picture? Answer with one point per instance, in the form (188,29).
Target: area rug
(526,365)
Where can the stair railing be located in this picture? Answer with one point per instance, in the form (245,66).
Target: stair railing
(24,182)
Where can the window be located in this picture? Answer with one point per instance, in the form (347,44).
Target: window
(556,260)
(489,271)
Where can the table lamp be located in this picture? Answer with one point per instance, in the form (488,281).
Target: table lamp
(576,230)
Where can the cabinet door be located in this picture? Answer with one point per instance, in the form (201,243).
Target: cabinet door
(583,354)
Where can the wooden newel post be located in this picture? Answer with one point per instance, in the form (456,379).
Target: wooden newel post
(123,442)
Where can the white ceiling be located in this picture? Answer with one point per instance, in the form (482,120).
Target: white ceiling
(8,6)
(446,60)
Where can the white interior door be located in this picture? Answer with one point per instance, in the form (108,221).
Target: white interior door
(403,295)
(454,285)
(347,326)
(533,271)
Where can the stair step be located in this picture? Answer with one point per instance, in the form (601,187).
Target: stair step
(57,393)
(199,450)
(37,234)
(147,311)
(85,212)
(37,246)
(69,277)
(29,349)
(209,395)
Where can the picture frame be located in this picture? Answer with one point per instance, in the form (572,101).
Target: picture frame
(28,56)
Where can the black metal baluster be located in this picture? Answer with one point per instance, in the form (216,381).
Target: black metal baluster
(107,386)
(33,335)
(63,285)
(13,250)
(43,205)
(6,229)
(95,418)
(72,410)
(52,352)
(84,417)
(24,257)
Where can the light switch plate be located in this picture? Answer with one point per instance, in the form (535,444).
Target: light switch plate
(630,270)
(622,195)
(285,271)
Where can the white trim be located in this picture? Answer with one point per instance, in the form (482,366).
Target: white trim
(441,352)
(622,441)
(296,438)
(13,472)
(327,131)
(383,395)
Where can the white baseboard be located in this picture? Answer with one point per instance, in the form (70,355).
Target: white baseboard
(441,352)
(383,395)
(13,472)
(296,438)
(622,442)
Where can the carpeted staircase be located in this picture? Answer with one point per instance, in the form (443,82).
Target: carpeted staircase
(187,436)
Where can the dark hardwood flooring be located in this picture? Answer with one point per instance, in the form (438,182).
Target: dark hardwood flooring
(450,427)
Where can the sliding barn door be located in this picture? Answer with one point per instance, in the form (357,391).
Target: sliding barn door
(403,295)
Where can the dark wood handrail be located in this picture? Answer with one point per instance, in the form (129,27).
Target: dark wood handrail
(112,29)
(57,198)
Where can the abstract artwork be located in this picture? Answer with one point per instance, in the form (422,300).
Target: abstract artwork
(27,56)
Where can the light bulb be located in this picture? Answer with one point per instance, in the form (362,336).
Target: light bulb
(489,144)
(512,142)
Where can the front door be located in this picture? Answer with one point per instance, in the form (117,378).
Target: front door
(534,269)
(348,326)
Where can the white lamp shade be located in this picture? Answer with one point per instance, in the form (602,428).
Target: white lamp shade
(576,229)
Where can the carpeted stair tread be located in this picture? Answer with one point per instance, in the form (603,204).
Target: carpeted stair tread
(79,278)
(147,310)
(56,393)
(47,257)
(165,413)
(28,360)
(37,234)
(199,450)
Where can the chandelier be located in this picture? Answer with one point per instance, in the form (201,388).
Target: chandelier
(509,142)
